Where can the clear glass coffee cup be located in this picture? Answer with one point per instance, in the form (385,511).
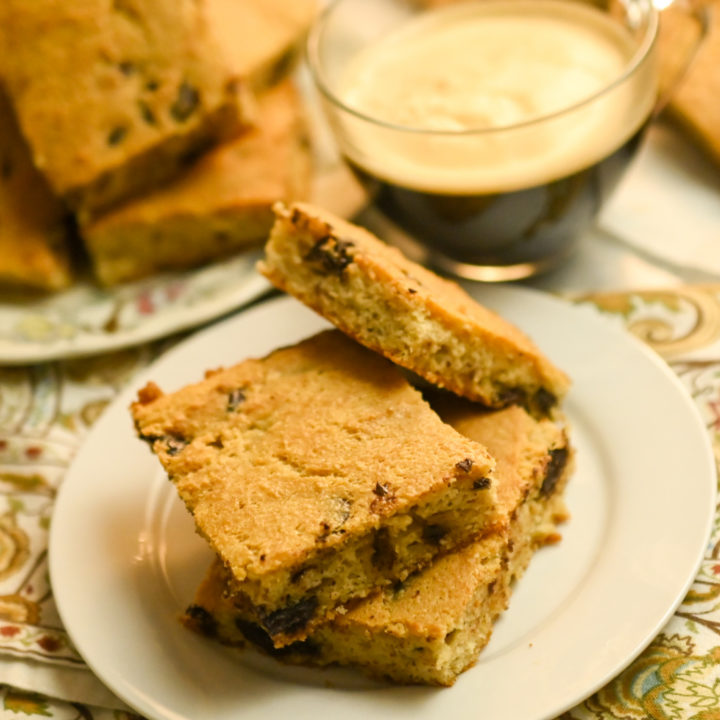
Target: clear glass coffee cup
(491,131)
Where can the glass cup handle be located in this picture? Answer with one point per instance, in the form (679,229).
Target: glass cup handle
(690,37)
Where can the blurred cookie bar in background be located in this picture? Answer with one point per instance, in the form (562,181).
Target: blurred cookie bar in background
(33,222)
(695,102)
(221,204)
(113,97)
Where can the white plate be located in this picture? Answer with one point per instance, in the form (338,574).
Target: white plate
(124,559)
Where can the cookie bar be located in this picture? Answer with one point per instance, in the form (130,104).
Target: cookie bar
(317,474)
(418,320)
(434,625)
(695,102)
(113,97)
(221,204)
(33,222)
(262,38)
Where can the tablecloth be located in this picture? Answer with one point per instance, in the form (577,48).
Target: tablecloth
(47,410)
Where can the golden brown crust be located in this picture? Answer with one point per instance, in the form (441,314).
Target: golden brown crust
(419,320)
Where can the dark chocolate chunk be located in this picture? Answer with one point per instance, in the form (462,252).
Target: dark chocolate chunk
(383,556)
(257,636)
(186,102)
(235,399)
(381,490)
(558,460)
(333,254)
(175,444)
(217,443)
(482,483)
(147,113)
(149,439)
(292,618)
(434,533)
(116,135)
(464,465)
(544,401)
(201,620)
(512,396)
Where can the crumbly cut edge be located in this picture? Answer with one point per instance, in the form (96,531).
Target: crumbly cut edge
(397,654)
(310,255)
(131,242)
(163,161)
(441,522)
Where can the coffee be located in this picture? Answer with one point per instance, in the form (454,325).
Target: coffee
(493,130)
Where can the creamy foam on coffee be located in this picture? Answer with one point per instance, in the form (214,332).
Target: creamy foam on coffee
(487,65)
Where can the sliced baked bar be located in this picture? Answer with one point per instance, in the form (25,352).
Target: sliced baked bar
(694,89)
(434,625)
(221,204)
(33,227)
(423,322)
(113,97)
(261,38)
(317,474)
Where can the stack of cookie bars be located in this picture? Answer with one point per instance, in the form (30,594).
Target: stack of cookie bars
(359,517)
(144,136)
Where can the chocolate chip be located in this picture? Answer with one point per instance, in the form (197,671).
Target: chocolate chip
(482,483)
(186,102)
(331,253)
(257,636)
(292,618)
(217,443)
(491,587)
(512,396)
(464,465)
(201,620)
(116,135)
(6,168)
(235,399)
(175,444)
(381,490)
(146,113)
(383,556)
(126,67)
(152,85)
(544,401)
(558,460)
(434,533)
(412,291)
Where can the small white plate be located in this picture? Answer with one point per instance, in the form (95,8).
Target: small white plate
(124,558)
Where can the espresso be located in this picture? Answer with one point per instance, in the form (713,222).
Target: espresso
(494,137)
(527,226)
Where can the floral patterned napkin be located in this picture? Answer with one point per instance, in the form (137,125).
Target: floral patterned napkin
(46,410)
